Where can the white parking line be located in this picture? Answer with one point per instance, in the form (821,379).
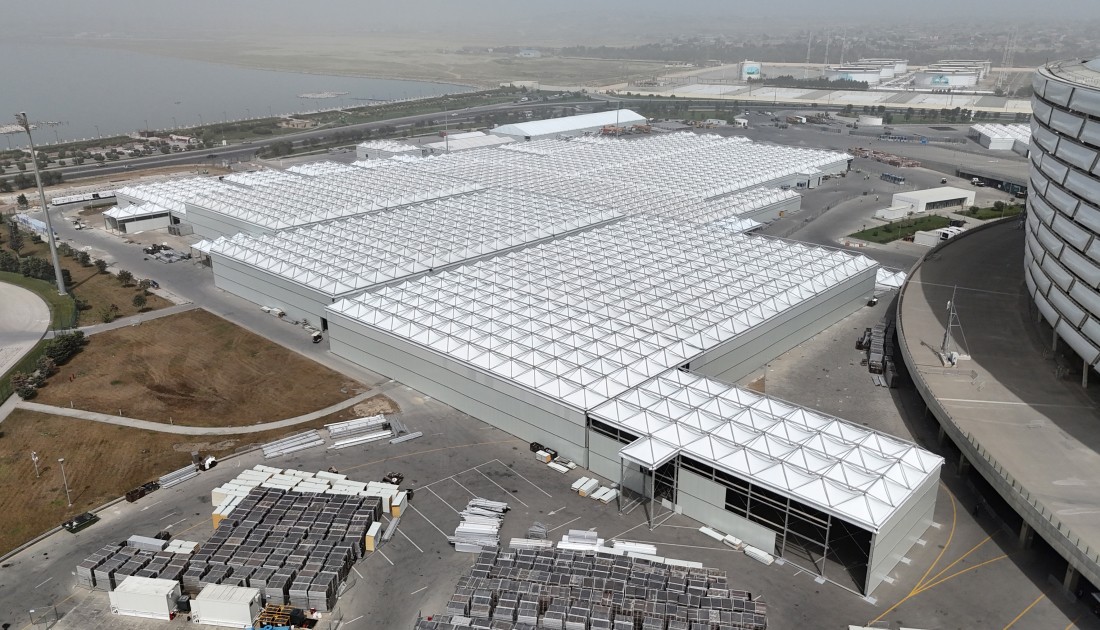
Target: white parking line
(428,519)
(387,558)
(563,525)
(357,572)
(44,581)
(454,475)
(409,539)
(524,478)
(463,487)
(441,499)
(506,493)
(353,620)
(418,590)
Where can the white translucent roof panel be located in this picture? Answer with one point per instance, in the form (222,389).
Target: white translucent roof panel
(996,131)
(174,193)
(602,310)
(136,211)
(331,195)
(847,470)
(313,169)
(359,252)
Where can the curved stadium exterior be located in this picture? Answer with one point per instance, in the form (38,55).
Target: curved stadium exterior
(1062,256)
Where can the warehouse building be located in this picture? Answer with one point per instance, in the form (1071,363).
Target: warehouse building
(998,137)
(833,498)
(933,199)
(898,67)
(132,219)
(569,125)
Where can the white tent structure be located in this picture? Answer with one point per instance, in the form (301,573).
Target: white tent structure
(776,475)
(569,125)
(301,271)
(531,340)
(136,218)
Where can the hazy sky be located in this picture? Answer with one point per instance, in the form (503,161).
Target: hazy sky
(586,18)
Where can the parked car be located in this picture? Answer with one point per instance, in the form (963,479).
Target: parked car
(79,522)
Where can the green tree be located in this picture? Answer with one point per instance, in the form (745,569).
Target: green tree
(144,285)
(84,258)
(125,277)
(15,242)
(139,301)
(21,201)
(100,265)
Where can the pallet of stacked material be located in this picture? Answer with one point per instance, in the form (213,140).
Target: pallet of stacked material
(554,617)
(588,488)
(192,577)
(556,467)
(299,592)
(579,483)
(278,586)
(759,555)
(399,504)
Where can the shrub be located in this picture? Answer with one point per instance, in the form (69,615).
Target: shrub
(100,265)
(139,301)
(84,258)
(45,366)
(62,347)
(145,285)
(125,277)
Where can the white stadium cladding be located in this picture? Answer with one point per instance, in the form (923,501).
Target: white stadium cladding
(588,294)
(1062,256)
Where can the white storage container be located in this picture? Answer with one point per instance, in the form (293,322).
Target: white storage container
(150,598)
(223,605)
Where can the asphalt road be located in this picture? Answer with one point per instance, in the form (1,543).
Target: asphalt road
(24,318)
(246,151)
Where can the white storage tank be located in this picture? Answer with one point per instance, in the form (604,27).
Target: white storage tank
(223,605)
(869,121)
(150,598)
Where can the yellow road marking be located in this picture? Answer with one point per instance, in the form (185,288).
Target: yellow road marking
(960,559)
(1073,623)
(958,573)
(954,520)
(1024,612)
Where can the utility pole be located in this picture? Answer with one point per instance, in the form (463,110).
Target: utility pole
(21,119)
(65,479)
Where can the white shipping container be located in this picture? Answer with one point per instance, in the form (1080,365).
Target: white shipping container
(223,605)
(150,598)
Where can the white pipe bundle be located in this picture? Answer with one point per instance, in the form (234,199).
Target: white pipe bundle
(480,525)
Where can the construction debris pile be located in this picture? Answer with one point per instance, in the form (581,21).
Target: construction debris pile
(884,157)
(562,589)
(480,526)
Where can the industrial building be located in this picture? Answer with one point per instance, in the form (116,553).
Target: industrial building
(464,141)
(569,125)
(936,77)
(998,137)
(897,67)
(559,289)
(132,219)
(383,149)
(1063,220)
(933,199)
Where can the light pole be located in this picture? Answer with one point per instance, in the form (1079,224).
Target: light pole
(61,460)
(21,118)
(97,134)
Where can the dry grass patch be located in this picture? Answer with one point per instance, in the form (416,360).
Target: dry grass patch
(380,404)
(102,462)
(194,368)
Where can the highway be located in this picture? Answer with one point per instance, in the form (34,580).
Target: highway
(246,151)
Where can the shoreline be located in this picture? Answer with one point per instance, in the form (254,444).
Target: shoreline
(106,44)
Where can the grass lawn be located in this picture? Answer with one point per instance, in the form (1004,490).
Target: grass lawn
(99,290)
(900,229)
(102,462)
(985,214)
(197,369)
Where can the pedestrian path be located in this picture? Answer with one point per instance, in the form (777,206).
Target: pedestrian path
(188,430)
(133,320)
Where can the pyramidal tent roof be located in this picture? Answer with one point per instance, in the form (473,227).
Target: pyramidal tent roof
(588,317)
(846,470)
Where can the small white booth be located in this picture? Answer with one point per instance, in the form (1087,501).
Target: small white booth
(150,598)
(223,605)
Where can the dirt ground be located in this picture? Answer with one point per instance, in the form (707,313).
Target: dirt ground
(100,290)
(197,369)
(102,461)
(380,404)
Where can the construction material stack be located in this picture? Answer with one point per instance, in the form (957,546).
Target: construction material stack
(359,431)
(545,588)
(480,526)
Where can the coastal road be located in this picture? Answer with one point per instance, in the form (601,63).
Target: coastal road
(246,151)
(24,317)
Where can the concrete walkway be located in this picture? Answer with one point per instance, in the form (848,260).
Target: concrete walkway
(133,320)
(24,317)
(187,430)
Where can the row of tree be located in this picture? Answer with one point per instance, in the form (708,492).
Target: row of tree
(55,352)
(22,181)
